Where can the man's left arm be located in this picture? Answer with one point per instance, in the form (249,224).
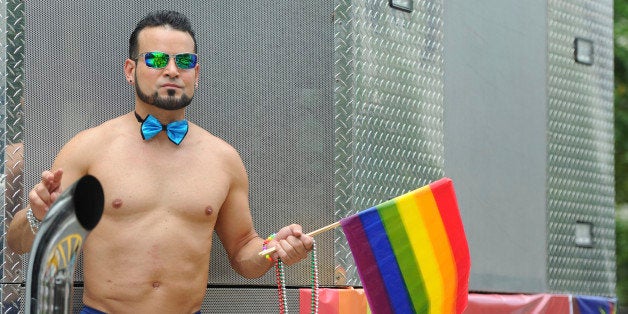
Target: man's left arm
(241,241)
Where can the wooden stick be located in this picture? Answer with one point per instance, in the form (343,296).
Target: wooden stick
(311,234)
(326,228)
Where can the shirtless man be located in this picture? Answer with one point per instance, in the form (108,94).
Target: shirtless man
(150,251)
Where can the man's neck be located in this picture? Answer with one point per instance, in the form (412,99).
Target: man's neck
(163,115)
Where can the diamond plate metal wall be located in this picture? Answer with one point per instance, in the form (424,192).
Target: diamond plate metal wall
(580,148)
(388,102)
(12,57)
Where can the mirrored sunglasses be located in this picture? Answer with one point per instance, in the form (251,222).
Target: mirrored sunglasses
(159,60)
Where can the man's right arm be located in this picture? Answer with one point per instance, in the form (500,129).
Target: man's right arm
(74,158)
(21,233)
(19,236)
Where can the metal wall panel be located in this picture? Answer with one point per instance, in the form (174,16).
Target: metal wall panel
(529,140)
(230,301)
(389,107)
(221,301)
(581,148)
(266,86)
(495,137)
(12,56)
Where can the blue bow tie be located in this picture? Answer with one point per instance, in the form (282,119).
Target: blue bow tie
(176,130)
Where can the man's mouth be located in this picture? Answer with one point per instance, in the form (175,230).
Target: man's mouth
(172,86)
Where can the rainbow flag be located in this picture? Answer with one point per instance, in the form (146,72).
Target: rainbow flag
(411,252)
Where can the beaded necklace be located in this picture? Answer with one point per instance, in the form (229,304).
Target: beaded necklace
(281,283)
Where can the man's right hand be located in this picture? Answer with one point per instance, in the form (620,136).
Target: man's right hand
(45,193)
(20,234)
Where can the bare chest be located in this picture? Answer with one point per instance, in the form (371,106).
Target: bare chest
(189,186)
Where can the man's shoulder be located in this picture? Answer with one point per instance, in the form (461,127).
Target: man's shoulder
(99,135)
(206,138)
(98,131)
(207,141)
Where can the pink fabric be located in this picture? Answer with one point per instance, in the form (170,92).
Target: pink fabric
(517,303)
(335,301)
(349,300)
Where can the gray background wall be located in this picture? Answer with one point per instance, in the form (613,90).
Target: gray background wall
(529,142)
(265,87)
(496,136)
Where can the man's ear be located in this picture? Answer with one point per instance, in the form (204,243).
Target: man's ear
(129,70)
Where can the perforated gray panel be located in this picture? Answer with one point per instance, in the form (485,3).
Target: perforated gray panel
(230,301)
(271,96)
(580,151)
(221,301)
(265,87)
(389,96)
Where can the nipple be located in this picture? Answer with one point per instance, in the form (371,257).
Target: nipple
(156,284)
(209,210)
(117,203)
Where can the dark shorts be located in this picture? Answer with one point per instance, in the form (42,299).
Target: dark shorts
(88,310)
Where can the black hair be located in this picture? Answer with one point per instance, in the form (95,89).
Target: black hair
(173,19)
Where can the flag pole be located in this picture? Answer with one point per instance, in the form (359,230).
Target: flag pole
(311,234)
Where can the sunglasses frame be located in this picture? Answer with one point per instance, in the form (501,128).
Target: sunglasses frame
(176,61)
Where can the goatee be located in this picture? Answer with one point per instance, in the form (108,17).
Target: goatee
(167,103)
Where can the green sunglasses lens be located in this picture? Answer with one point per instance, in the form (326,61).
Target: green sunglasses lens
(159,60)
(156,60)
(185,60)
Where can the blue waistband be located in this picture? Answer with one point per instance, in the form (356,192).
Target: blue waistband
(88,310)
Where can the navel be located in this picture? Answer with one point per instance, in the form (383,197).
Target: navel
(209,210)
(117,203)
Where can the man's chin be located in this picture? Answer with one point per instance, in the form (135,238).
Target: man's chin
(171,103)
(165,101)
(171,92)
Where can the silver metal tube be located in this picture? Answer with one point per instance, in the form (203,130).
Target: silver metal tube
(50,278)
